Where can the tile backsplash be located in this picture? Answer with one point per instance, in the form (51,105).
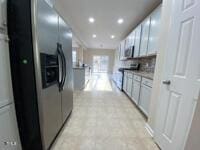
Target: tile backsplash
(146,64)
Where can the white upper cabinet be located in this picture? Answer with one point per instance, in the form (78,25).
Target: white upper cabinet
(3,14)
(122,48)
(137,40)
(132,38)
(154,31)
(145,37)
(127,43)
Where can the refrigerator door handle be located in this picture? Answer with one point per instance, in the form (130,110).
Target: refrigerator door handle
(64,67)
(61,69)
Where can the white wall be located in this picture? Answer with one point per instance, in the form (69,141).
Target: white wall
(79,53)
(89,53)
(162,48)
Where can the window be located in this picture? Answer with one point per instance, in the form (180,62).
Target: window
(100,63)
(74,56)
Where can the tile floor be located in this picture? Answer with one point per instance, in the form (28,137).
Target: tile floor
(103,118)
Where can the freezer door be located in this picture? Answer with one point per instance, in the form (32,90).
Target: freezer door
(65,39)
(50,98)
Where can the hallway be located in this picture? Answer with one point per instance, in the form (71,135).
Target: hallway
(103,118)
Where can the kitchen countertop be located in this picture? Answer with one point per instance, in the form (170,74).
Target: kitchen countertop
(80,67)
(142,73)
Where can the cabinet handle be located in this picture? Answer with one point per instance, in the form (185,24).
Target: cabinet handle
(167,82)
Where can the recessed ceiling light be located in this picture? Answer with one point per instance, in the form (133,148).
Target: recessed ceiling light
(91,20)
(112,36)
(120,21)
(94,35)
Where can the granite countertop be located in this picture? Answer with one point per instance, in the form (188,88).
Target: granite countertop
(80,67)
(144,74)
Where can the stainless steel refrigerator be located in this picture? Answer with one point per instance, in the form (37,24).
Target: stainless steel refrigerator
(41,66)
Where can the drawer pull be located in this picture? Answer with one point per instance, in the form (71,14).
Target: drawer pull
(167,82)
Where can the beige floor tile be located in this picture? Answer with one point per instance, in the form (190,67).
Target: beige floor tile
(104,118)
(135,144)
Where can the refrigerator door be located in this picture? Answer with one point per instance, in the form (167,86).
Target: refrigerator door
(65,39)
(49,100)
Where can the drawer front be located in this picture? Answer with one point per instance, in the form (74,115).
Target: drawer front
(147,82)
(137,78)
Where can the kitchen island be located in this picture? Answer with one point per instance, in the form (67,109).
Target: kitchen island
(81,76)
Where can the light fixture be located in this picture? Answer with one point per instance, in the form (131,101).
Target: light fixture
(91,20)
(120,21)
(94,35)
(112,36)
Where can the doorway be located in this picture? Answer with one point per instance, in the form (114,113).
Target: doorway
(100,64)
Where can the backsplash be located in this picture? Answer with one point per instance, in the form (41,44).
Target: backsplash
(146,64)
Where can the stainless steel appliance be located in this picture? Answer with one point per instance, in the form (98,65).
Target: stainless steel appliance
(129,52)
(119,82)
(41,65)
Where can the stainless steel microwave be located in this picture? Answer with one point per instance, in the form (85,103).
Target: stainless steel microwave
(129,52)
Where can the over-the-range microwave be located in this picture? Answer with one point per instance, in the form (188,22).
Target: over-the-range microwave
(129,52)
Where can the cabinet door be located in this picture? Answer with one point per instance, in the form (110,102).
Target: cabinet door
(125,82)
(3,14)
(129,86)
(145,37)
(135,91)
(9,137)
(127,43)
(132,39)
(154,31)
(137,41)
(145,95)
(6,94)
(122,47)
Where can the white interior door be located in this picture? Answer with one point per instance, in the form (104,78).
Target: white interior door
(182,74)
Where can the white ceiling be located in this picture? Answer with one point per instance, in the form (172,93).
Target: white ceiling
(106,14)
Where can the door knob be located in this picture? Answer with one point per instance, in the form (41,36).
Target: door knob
(167,82)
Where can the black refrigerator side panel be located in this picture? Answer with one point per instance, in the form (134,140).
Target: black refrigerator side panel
(23,73)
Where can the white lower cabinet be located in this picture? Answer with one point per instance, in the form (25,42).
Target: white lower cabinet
(129,86)
(139,90)
(135,91)
(145,96)
(9,138)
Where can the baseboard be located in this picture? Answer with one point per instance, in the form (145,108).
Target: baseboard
(149,129)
